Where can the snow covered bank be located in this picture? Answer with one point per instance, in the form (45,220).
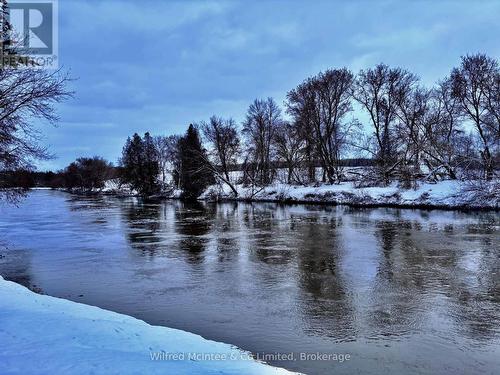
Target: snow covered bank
(114,187)
(448,194)
(444,194)
(46,335)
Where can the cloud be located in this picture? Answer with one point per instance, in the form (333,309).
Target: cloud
(414,37)
(158,66)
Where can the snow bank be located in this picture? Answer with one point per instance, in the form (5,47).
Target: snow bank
(116,188)
(452,194)
(46,335)
(443,194)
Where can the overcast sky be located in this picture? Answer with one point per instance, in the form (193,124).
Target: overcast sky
(159,65)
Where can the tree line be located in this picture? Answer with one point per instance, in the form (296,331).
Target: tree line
(409,133)
(448,131)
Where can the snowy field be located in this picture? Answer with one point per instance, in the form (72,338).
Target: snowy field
(45,335)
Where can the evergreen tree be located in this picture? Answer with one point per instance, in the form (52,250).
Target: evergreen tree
(150,168)
(132,160)
(194,174)
(139,165)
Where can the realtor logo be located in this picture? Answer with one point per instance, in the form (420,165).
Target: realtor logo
(34,30)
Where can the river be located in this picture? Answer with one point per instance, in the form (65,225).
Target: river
(398,290)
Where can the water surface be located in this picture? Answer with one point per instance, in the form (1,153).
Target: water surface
(400,291)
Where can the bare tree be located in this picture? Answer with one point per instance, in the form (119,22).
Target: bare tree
(378,91)
(289,146)
(87,174)
(413,109)
(26,93)
(259,127)
(225,143)
(166,150)
(476,86)
(300,105)
(322,103)
(332,103)
(442,132)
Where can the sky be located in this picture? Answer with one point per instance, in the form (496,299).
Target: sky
(158,66)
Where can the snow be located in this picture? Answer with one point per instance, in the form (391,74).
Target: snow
(442,194)
(115,187)
(448,193)
(46,335)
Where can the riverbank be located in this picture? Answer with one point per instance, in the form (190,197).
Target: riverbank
(442,195)
(40,334)
(447,195)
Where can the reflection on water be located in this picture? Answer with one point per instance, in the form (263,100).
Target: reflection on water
(401,291)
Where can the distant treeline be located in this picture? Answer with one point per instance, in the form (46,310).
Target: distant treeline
(84,174)
(65,179)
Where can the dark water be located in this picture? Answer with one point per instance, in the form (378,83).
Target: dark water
(401,291)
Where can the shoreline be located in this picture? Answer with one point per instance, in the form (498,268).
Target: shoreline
(462,208)
(62,334)
(445,195)
(406,206)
